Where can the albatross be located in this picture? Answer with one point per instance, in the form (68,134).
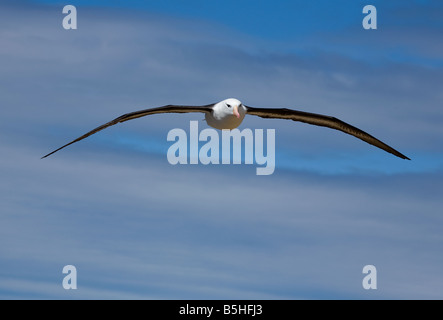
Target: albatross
(229,114)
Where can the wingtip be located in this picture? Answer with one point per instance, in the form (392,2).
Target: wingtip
(401,155)
(48,154)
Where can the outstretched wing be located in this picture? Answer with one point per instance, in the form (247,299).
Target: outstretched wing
(139,114)
(323,121)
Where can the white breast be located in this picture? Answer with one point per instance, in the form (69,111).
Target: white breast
(224,121)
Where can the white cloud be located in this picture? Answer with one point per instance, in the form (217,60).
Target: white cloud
(136,226)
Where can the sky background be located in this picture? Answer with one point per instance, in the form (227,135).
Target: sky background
(137,227)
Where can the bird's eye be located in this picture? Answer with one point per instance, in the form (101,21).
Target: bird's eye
(228,105)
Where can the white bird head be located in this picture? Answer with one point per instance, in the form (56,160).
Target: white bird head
(227,114)
(232,106)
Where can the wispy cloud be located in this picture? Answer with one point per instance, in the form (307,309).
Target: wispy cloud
(137,227)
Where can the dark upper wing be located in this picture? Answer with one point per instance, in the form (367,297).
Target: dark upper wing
(138,114)
(324,121)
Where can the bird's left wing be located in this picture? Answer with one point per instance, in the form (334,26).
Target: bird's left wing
(139,114)
(323,121)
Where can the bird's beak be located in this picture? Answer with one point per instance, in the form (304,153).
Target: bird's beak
(235,112)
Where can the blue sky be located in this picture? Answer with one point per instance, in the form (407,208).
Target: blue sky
(137,227)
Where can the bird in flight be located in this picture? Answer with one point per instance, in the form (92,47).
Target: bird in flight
(229,114)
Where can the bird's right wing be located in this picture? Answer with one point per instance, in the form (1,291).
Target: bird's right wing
(139,114)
